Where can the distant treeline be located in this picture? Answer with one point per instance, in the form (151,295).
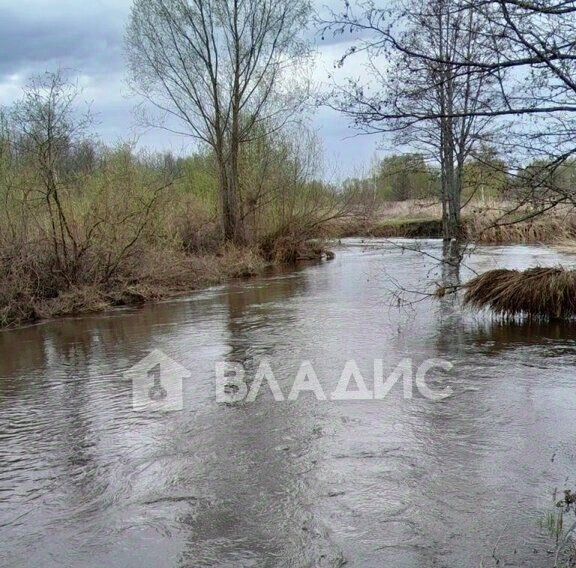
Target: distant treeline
(401,177)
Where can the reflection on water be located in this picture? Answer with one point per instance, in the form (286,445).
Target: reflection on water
(85,481)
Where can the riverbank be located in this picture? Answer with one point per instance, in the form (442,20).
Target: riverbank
(157,275)
(484,222)
(33,288)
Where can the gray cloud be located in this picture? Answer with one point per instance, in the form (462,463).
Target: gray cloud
(35,35)
(87,38)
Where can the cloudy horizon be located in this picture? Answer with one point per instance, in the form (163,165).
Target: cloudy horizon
(87,40)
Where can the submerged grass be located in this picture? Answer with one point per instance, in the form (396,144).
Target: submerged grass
(545,293)
(561,530)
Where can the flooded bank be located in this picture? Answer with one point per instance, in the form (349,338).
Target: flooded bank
(86,481)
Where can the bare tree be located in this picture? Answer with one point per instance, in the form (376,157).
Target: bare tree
(541,94)
(420,91)
(527,48)
(47,124)
(221,68)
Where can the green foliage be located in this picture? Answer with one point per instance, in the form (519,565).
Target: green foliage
(485,175)
(544,180)
(199,178)
(399,177)
(403,177)
(280,189)
(406,176)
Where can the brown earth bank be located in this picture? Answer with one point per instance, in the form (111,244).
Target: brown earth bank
(153,275)
(391,228)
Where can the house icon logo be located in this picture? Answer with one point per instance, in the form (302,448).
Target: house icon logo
(157,383)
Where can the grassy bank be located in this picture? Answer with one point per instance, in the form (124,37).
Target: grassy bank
(390,228)
(503,223)
(30,291)
(485,222)
(156,275)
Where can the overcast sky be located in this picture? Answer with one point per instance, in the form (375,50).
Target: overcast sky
(87,37)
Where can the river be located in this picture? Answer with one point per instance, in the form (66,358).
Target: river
(86,481)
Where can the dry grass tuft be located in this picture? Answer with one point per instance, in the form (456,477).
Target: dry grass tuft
(545,293)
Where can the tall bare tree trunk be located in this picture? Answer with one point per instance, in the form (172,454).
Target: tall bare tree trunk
(452,194)
(217,66)
(234,217)
(451,185)
(230,202)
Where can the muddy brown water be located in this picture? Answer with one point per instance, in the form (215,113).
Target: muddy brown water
(87,482)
